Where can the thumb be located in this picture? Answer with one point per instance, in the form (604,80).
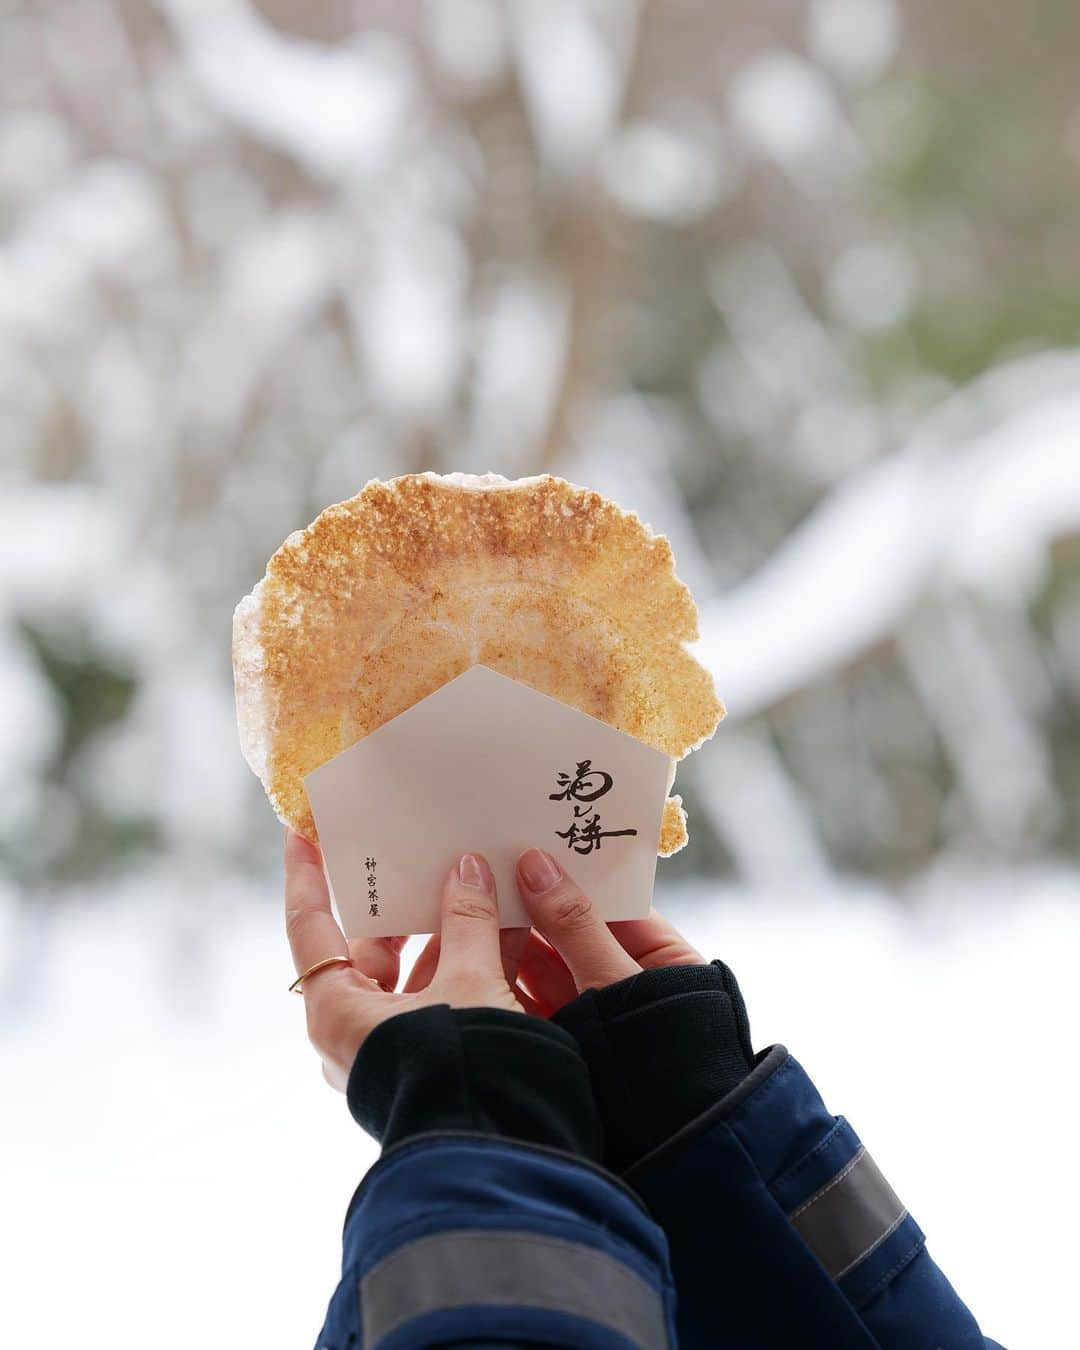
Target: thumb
(469,940)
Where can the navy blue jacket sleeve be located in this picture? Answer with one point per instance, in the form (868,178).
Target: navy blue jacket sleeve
(783,1232)
(469,1240)
(486,1222)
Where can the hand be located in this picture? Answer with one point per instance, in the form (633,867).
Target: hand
(473,964)
(578,950)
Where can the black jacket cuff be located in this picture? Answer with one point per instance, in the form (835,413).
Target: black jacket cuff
(481,1070)
(662,1047)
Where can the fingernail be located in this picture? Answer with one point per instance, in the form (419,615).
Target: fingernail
(539,870)
(471,873)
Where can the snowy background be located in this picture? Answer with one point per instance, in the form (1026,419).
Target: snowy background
(798,282)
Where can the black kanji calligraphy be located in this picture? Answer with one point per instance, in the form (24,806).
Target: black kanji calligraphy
(580,790)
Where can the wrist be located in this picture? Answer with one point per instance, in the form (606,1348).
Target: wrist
(662,1046)
(480,1070)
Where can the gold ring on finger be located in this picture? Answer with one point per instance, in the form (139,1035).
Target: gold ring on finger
(297,984)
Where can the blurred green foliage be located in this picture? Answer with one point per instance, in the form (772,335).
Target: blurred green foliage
(92,693)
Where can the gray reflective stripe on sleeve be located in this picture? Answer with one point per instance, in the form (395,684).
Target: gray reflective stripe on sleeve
(469,1269)
(849,1216)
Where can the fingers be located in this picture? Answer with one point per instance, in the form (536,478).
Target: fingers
(470,918)
(379,958)
(311,927)
(653,941)
(544,974)
(566,917)
(512,943)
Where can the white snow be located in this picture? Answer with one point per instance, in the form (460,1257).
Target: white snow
(57,541)
(170,1143)
(856,38)
(786,108)
(661,171)
(972,504)
(334,109)
(571,66)
(838,583)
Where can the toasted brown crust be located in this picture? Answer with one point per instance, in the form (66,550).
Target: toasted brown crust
(389,595)
(673,835)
